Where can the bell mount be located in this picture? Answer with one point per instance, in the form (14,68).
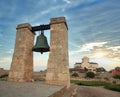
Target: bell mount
(41,27)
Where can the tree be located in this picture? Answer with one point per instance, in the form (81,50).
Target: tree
(101,69)
(75,74)
(117,68)
(90,75)
(116,76)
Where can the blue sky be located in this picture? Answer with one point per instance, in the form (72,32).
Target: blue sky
(94,28)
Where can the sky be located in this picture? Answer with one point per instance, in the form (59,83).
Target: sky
(93,29)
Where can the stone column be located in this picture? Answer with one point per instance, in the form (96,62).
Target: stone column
(58,63)
(22,62)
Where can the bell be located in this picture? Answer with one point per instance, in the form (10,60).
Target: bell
(41,44)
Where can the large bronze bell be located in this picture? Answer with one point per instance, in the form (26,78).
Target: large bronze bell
(41,44)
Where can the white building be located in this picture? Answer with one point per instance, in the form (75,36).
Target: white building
(91,66)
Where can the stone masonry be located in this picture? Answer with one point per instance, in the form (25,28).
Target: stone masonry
(22,62)
(58,63)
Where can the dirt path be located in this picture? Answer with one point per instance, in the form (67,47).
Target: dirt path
(87,91)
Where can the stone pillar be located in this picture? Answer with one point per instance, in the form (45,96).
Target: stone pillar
(58,63)
(22,62)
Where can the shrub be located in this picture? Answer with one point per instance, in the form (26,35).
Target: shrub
(114,81)
(106,78)
(3,76)
(113,87)
(75,74)
(101,69)
(116,76)
(90,75)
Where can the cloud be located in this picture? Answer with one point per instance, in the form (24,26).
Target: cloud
(100,52)
(39,68)
(106,52)
(107,63)
(115,48)
(90,46)
(5,62)
(5,59)
(9,51)
(93,23)
(1,33)
(40,59)
(67,1)
(87,49)
(89,23)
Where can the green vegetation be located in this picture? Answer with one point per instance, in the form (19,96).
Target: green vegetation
(89,83)
(100,69)
(113,87)
(90,75)
(75,74)
(106,85)
(3,76)
(39,79)
(116,76)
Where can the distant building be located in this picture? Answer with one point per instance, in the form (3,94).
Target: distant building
(85,64)
(116,71)
(77,70)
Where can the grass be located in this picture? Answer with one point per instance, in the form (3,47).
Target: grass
(113,87)
(106,85)
(89,83)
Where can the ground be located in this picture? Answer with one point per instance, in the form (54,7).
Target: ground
(39,89)
(27,89)
(88,91)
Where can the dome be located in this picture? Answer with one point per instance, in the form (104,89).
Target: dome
(85,59)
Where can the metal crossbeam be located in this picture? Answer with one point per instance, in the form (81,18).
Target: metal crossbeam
(41,27)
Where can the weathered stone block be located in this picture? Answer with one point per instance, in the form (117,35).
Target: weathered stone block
(22,62)
(58,64)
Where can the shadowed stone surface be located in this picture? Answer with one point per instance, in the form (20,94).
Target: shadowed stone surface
(58,63)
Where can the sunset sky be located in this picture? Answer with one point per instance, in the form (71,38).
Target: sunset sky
(94,29)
